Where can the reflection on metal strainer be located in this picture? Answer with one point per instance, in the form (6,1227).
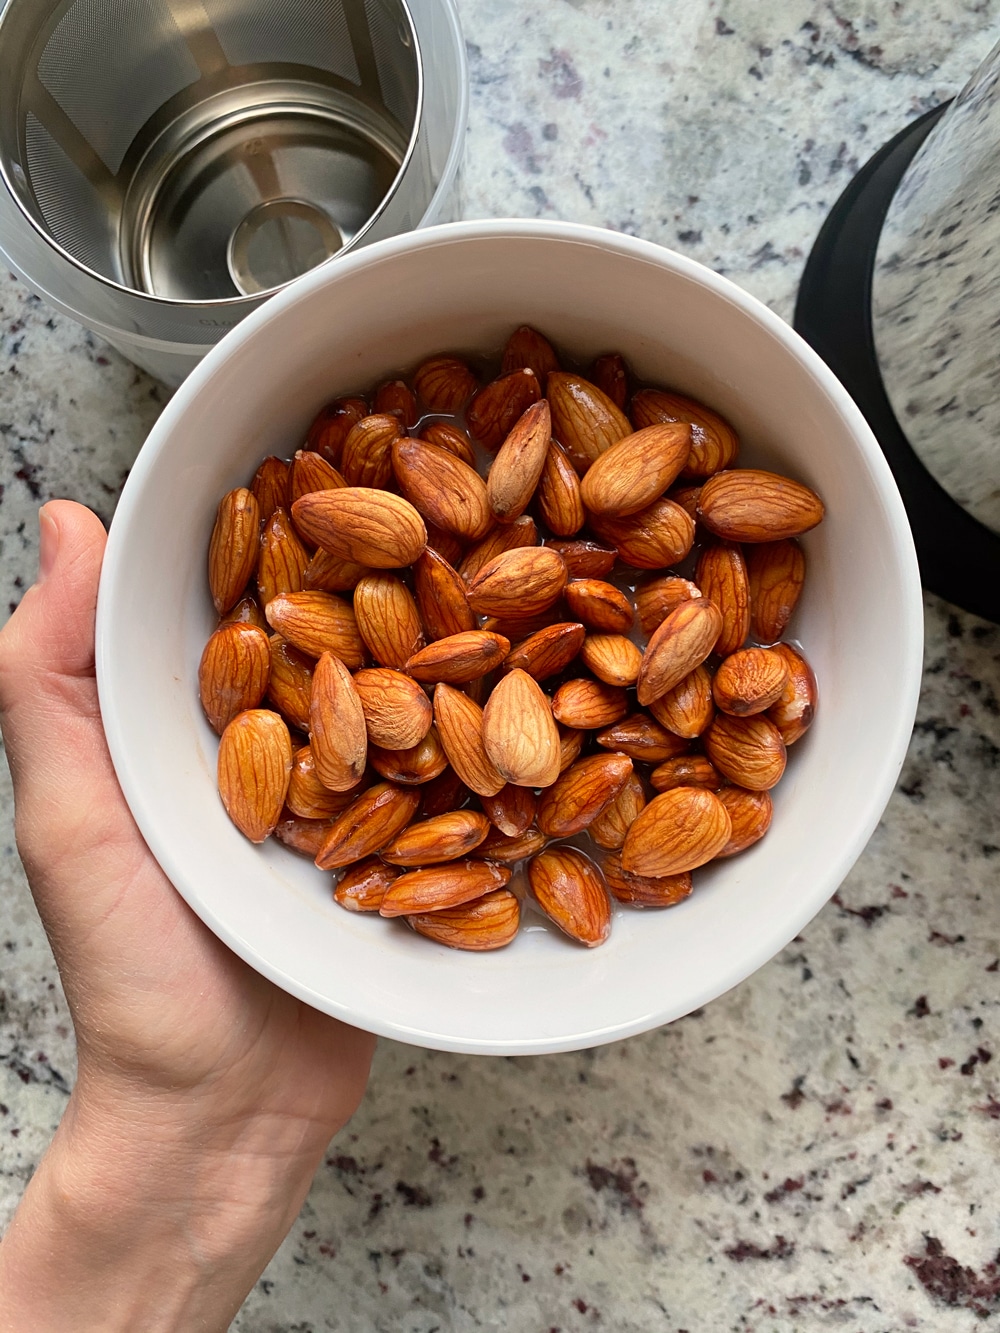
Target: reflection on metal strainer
(166,163)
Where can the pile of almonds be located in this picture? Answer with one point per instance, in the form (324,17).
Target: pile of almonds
(455,681)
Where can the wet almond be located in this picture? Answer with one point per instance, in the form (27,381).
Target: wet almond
(490,922)
(446,491)
(637,470)
(581,793)
(584,419)
(337,734)
(369,822)
(678,831)
(388,619)
(722,577)
(233,673)
(519,732)
(233,549)
(748,751)
(316,623)
(570,890)
(600,605)
(460,658)
(750,681)
(398,714)
(435,888)
(443,838)
(523,581)
(254,767)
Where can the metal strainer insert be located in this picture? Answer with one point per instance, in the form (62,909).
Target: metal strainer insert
(206,150)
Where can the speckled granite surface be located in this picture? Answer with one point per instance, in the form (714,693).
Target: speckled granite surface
(816,1150)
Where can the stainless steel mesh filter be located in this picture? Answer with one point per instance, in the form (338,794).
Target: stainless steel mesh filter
(205,150)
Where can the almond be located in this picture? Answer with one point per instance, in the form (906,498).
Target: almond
(332,426)
(517,467)
(570,890)
(608,830)
(636,471)
(304,836)
(722,576)
(570,745)
(398,714)
(748,751)
(777,572)
(443,838)
(750,814)
(510,848)
(610,374)
(584,420)
(495,408)
(445,384)
(460,658)
(448,492)
(519,732)
(307,797)
(681,643)
(446,544)
(289,685)
(233,673)
(459,723)
(448,436)
(793,712)
(687,710)
(677,831)
(412,767)
(686,497)
(527,349)
(233,549)
(255,764)
(511,810)
(315,623)
(749,505)
(283,559)
(589,704)
(311,472)
(612,658)
(687,770)
(642,738)
(446,792)
(714,444)
(362,887)
(581,793)
(370,527)
(270,486)
(601,606)
(444,607)
(560,503)
(337,733)
(656,599)
(750,681)
(659,535)
(504,537)
(442,886)
(396,398)
(247,611)
(388,619)
(523,581)
(548,651)
(585,559)
(367,456)
(329,573)
(369,822)
(643,890)
(487,923)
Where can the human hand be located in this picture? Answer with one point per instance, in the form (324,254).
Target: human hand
(205,1096)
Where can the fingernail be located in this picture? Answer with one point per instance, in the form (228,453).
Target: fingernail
(48,544)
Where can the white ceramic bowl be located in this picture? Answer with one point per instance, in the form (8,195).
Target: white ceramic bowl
(344,328)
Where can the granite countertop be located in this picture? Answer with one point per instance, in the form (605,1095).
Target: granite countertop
(817,1149)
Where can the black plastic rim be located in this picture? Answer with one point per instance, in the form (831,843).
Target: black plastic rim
(959,556)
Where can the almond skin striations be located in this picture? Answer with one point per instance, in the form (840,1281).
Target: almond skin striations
(612,658)
(310,472)
(443,838)
(749,505)
(510,848)
(414,766)
(584,420)
(687,710)
(307,797)
(527,349)
(497,406)
(283,560)
(388,619)
(254,768)
(441,599)
(610,374)
(792,713)
(643,890)
(233,548)
(519,732)
(357,523)
(656,599)
(560,502)
(609,828)
(304,836)
(722,578)
(316,623)
(570,890)
(398,714)
(289,685)
(369,822)
(636,471)
(332,425)
(517,467)
(659,535)
(367,456)
(548,651)
(642,737)
(489,922)
(233,673)
(396,398)
(448,492)
(511,810)
(581,793)
(681,643)
(750,814)
(270,486)
(435,888)
(329,573)
(777,572)
(459,723)
(687,770)
(450,437)
(523,581)
(504,537)
(748,751)
(588,704)
(750,681)
(601,606)
(714,444)
(584,559)
(460,658)
(337,733)
(362,887)
(444,383)
(678,830)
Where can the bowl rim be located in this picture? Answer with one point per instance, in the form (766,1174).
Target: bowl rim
(881,779)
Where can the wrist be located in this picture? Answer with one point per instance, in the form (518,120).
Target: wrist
(153,1219)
